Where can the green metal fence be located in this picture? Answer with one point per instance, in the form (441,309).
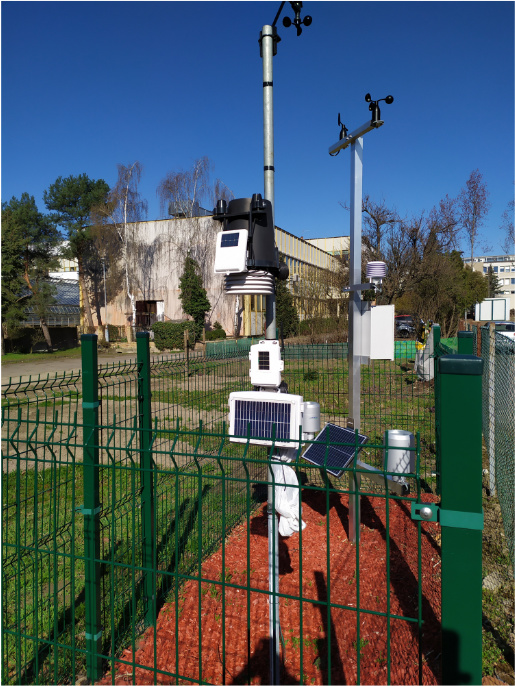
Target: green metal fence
(134,535)
(498,354)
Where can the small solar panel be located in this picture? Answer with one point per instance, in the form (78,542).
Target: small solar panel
(263,360)
(334,457)
(229,240)
(262,416)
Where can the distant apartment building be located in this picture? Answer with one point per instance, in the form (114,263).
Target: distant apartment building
(503,266)
(336,245)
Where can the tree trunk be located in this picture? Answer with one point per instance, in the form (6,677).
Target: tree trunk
(97,306)
(85,296)
(46,334)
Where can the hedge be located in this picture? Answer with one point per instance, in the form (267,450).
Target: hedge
(170,335)
(215,334)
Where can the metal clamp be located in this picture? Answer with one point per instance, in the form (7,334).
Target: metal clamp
(91,405)
(85,511)
(430,512)
(90,637)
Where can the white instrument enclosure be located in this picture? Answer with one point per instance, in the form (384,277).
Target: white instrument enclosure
(262,410)
(266,364)
(231,252)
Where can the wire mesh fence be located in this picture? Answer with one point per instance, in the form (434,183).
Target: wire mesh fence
(498,408)
(167,554)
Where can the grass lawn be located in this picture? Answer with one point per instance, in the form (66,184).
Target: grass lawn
(31,357)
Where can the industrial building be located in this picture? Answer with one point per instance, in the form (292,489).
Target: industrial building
(160,247)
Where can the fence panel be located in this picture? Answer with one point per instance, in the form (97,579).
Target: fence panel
(180,560)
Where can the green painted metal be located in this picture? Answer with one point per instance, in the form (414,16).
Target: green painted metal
(91,508)
(466,342)
(147,475)
(459,409)
(170,488)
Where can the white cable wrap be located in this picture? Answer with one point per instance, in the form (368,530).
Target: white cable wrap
(287,498)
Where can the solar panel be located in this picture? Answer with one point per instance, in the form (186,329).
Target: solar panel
(229,240)
(335,458)
(262,416)
(263,360)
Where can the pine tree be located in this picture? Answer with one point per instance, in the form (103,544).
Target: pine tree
(193,295)
(286,313)
(494,286)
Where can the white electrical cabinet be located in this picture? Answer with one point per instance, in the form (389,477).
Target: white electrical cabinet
(377,331)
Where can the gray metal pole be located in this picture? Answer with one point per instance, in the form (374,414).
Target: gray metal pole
(267,47)
(355,338)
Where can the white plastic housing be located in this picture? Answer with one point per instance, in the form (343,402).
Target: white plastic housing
(311,417)
(231,252)
(263,409)
(377,333)
(249,283)
(400,458)
(266,364)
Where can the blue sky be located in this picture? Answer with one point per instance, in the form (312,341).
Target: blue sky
(88,85)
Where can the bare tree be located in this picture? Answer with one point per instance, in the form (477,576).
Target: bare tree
(182,194)
(473,207)
(124,210)
(507,225)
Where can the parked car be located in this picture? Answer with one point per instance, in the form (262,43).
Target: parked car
(404,326)
(404,319)
(506,329)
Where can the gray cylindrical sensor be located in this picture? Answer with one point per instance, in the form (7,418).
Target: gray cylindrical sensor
(400,457)
(311,417)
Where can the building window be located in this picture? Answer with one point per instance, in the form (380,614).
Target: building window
(496,270)
(501,269)
(485,270)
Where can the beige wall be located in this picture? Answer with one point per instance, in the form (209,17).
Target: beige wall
(165,244)
(157,269)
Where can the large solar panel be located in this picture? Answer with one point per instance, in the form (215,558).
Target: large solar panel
(335,458)
(262,416)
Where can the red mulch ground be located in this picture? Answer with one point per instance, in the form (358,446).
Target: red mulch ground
(246,651)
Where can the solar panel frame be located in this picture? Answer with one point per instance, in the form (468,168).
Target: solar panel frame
(334,458)
(262,410)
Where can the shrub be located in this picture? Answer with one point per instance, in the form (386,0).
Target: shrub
(286,313)
(215,334)
(170,335)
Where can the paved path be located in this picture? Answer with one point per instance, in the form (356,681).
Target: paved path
(60,364)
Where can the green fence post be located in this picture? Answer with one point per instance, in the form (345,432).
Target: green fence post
(461,518)
(466,342)
(147,473)
(91,507)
